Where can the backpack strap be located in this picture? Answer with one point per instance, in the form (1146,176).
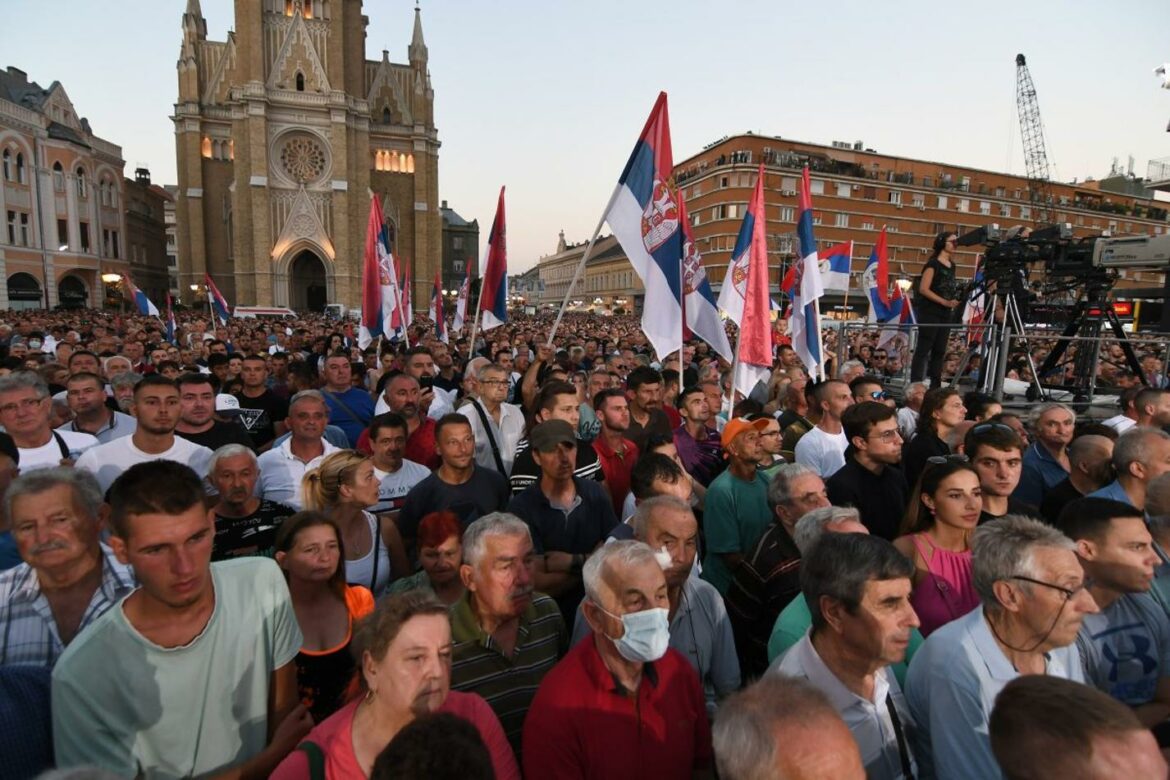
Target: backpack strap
(316,758)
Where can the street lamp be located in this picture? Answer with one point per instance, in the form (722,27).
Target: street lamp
(111,278)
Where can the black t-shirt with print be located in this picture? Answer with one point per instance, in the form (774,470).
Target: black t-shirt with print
(259,416)
(254,535)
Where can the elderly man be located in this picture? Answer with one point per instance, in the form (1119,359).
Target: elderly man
(156,407)
(1090,460)
(555,401)
(870,479)
(736,510)
(197,422)
(1048,727)
(823,448)
(504,636)
(767,579)
(857,588)
(26,414)
(497,425)
(245,523)
(699,627)
(86,395)
(68,578)
(908,413)
(569,516)
(623,703)
(1046,461)
(783,727)
(1139,455)
(283,467)
(1034,600)
(1125,647)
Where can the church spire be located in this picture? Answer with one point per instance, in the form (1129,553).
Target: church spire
(194,25)
(418,48)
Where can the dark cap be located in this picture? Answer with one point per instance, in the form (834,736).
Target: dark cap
(546,436)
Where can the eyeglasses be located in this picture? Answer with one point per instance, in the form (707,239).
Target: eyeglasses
(889,435)
(1069,593)
(26,404)
(493,381)
(938,460)
(879,395)
(992,426)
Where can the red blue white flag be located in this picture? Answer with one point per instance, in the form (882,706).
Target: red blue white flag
(973,311)
(219,304)
(493,291)
(145,306)
(835,266)
(380,314)
(435,312)
(805,323)
(754,348)
(700,313)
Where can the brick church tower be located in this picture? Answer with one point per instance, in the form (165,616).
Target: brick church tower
(282,133)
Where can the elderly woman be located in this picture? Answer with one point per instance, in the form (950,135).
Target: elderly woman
(440,553)
(405,650)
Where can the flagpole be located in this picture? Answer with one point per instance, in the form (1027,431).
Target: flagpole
(581,264)
(848,282)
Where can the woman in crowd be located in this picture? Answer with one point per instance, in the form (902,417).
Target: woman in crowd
(405,672)
(342,487)
(937,537)
(309,550)
(935,304)
(942,409)
(981,407)
(440,553)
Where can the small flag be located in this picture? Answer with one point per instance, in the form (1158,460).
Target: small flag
(976,300)
(461,301)
(436,310)
(170,324)
(493,291)
(218,302)
(145,306)
(835,265)
(380,315)
(754,346)
(805,323)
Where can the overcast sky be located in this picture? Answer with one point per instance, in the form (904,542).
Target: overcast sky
(547,96)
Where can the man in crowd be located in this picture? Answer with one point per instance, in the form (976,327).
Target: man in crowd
(505,637)
(26,414)
(420,364)
(1127,418)
(458,484)
(857,588)
(402,397)
(86,396)
(783,727)
(283,467)
(156,407)
(908,414)
(497,425)
(350,408)
(870,479)
(1152,406)
(229,626)
(823,448)
(622,700)
(996,452)
(1044,726)
(1139,455)
(1125,647)
(1090,460)
(396,475)
(1046,461)
(616,453)
(736,509)
(197,422)
(644,393)
(245,523)
(68,578)
(1033,599)
(555,401)
(447,378)
(768,578)
(262,412)
(569,516)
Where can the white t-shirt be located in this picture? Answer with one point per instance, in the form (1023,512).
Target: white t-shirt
(108,461)
(393,488)
(822,452)
(49,454)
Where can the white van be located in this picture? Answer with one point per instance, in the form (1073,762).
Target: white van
(252,312)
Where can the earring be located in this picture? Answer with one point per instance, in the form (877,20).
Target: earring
(369,697)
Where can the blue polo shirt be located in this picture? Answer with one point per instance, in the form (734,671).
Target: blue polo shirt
(350,411)
(1040,473)
(1113,491)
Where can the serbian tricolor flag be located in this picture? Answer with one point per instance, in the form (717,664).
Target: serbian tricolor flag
(805,323)
(976,301)
(700,314)
(493,290)
(145,306)
(218,303)
(754,348)
(891,310)
(461,301)
(435,312)
(380,315)
(835,262)
(170,323)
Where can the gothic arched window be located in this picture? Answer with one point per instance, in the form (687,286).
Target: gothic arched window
(300,82)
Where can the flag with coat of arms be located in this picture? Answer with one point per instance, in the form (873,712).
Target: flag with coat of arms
(805,323)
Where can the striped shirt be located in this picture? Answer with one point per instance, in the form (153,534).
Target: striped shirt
(507,683)
(525,472)
(28,632)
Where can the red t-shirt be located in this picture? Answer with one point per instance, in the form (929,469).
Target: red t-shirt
(420,445)
(617,469)
(335,738)
(582,725)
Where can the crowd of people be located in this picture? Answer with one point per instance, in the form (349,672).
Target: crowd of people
(262,550)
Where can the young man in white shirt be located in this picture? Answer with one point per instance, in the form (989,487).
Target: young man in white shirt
(823,448)
(25,410)
(396,475)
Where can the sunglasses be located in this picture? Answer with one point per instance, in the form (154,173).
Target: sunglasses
(992,426)
(938,460)
(879,395)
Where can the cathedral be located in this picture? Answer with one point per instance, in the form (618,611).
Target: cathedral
(283,132)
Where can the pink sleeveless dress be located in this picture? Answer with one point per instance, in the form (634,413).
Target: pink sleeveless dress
(947,591)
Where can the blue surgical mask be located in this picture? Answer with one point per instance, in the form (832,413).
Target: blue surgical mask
(646,634)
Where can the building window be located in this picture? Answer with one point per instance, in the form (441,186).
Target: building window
(942,201)
(12,227)
(114,243)
(300,82)
(1005,210)
(963,205)
(20,168)
(386,117)
(1026,212)
(58,177)
(7,165)
(918,199)
(82,191)
(984,208)
(787,214)
(733,211)
(62,234)
(817,186)
(206,148)
(843,190)
(867,225)
(927,181)
(842,220)
(84,236)
(457,242)
(24,230)
(896,197)
(723,182)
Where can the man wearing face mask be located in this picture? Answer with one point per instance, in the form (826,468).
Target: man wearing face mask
(622,704)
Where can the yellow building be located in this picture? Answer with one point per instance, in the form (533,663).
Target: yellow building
(608,283)
(283,131)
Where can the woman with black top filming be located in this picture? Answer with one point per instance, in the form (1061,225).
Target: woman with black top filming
(938,298)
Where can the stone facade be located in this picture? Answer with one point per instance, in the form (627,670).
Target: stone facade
(283,132)
(460,248)
(608,283)
(146,236)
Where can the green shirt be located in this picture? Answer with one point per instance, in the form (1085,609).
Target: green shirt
(417,581)
(736,515)
(478,665)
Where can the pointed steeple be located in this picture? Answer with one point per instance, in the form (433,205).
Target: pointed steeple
(418,48)
(194,25)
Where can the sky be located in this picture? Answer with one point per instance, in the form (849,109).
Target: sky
(547,97)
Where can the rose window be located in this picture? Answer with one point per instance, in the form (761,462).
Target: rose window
(303,159)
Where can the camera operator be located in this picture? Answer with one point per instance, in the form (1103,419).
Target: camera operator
(938,298)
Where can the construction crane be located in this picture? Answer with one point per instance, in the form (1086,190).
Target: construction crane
(1035,151)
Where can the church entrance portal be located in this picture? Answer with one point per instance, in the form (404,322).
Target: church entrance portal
(307,290)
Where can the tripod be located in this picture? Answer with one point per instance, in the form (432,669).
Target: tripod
(995,345)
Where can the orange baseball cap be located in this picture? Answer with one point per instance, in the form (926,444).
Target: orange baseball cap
(738,425)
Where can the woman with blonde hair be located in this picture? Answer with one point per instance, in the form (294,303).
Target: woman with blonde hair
(342,487)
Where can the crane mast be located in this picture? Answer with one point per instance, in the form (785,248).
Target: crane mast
(1035,151)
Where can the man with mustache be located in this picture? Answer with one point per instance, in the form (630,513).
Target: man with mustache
(505,637)
(68,578)
(156,407)
(245,524)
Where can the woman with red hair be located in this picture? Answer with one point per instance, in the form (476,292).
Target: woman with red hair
(440,553)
